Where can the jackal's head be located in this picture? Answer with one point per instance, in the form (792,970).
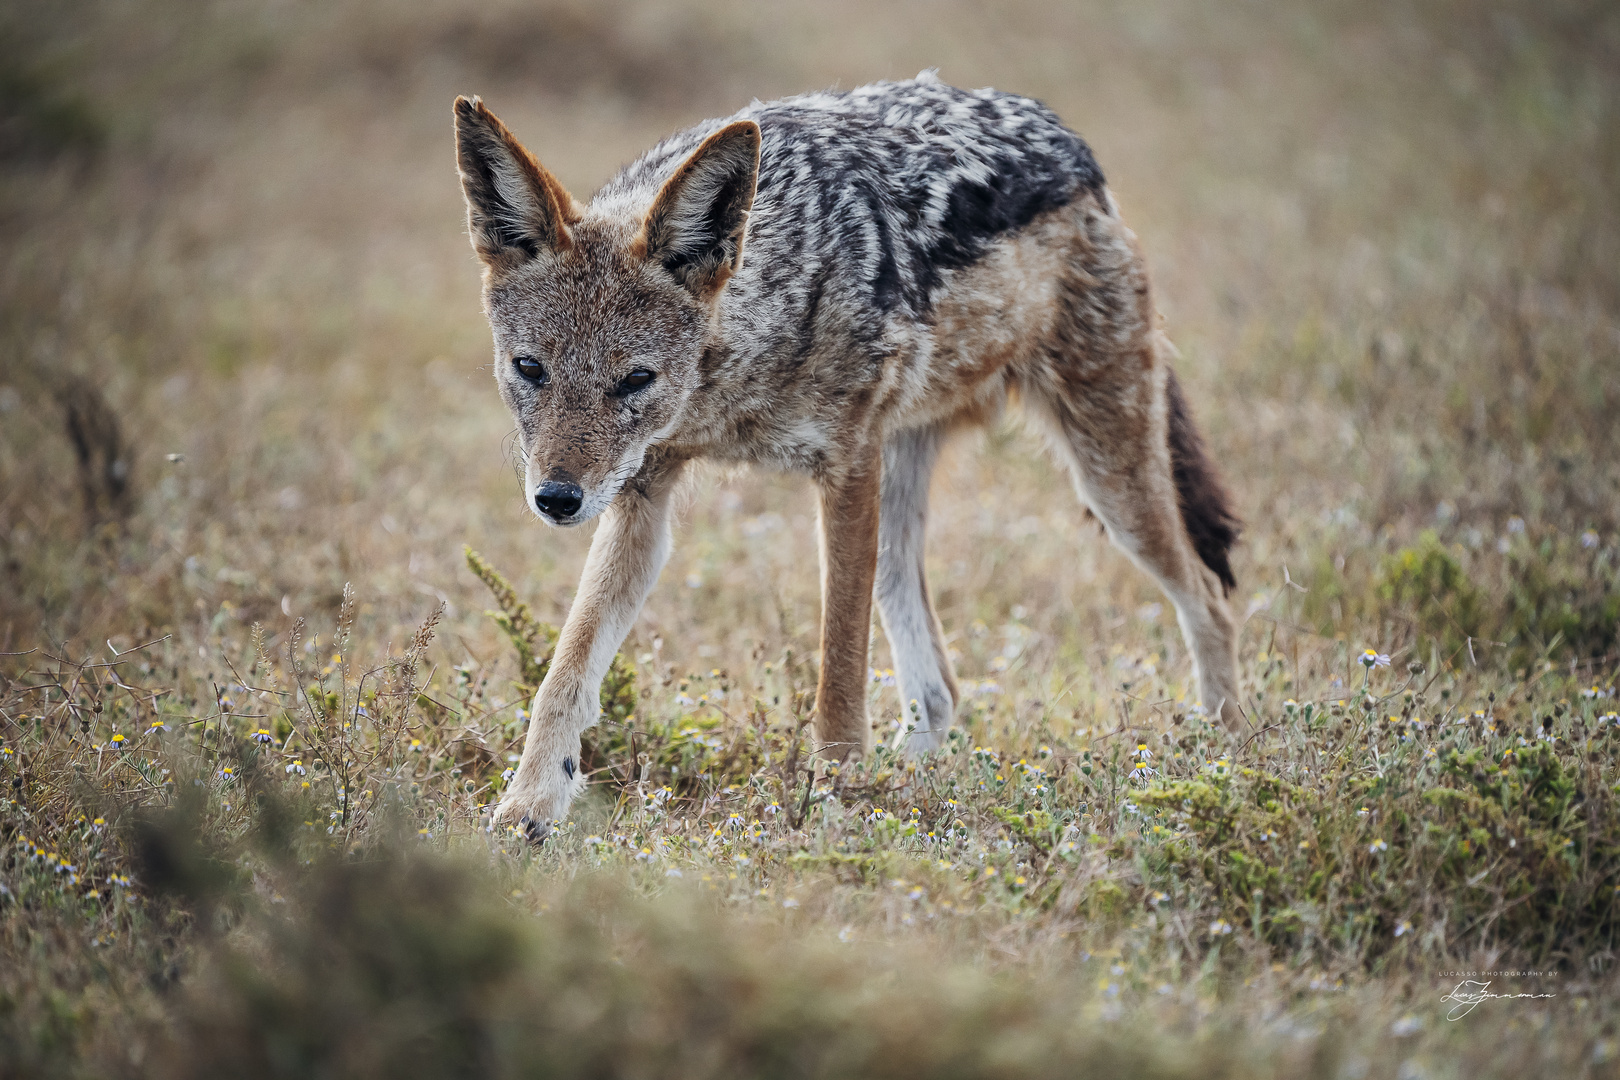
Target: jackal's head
(599,314)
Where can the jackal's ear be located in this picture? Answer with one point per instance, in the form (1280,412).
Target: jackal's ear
(696,224)
(515,208)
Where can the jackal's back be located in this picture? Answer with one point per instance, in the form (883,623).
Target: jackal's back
(868,198)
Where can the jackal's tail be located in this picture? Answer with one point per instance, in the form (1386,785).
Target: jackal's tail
(1206,506)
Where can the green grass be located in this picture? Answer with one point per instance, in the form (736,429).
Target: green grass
(298,873)
(259,694)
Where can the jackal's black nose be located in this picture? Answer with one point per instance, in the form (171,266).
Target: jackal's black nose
(560,501)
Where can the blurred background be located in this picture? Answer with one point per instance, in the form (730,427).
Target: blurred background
(243,365)
(242,360)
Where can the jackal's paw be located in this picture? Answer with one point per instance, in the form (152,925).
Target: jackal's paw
(1231,714)
(913,742)
(537,799)
(532,819)
(926,722)
(535,832)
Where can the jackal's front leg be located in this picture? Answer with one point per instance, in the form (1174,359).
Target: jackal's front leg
(849,550)
(629,549)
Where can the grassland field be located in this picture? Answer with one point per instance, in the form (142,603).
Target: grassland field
(271,607)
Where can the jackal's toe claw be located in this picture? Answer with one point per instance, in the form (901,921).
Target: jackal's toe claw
(534,830)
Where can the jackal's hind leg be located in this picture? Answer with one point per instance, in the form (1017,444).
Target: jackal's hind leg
(1112,433)
(927,686)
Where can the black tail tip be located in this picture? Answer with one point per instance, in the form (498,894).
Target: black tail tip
(1206,506)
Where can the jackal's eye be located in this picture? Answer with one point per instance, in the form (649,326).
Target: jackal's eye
(531,369)
(638,379)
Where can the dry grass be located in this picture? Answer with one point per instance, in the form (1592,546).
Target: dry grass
(242,367)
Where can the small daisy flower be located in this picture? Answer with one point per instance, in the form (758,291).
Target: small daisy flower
(1220,927)
(1378,845)
(262,737)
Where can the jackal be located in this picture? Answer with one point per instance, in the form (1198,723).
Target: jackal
(831,284)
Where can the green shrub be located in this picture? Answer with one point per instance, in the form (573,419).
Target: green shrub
(1553,598)
(1473,833)
(609,742)
(1427,581)
(1559,598)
